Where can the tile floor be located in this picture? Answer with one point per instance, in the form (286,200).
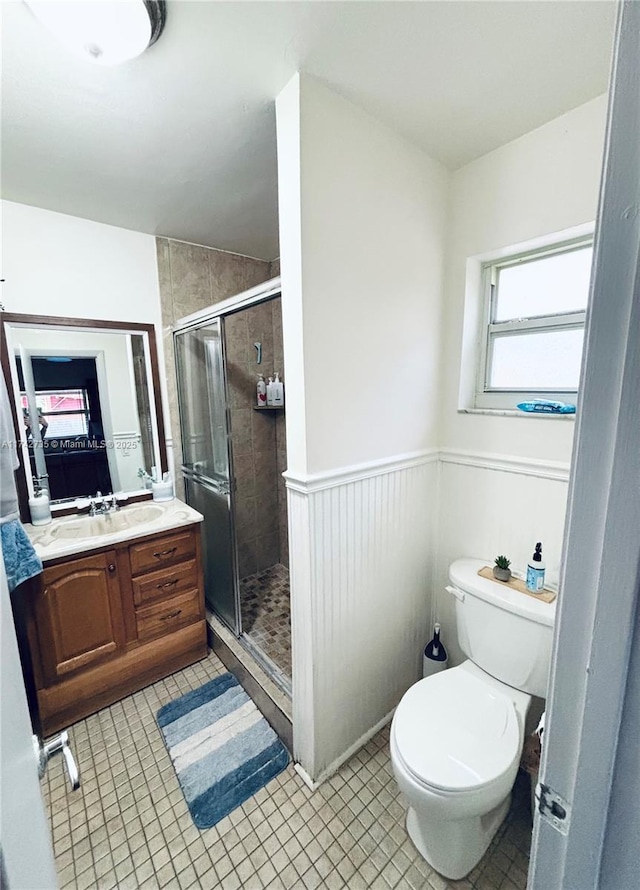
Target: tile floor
(128,826)
(266,614)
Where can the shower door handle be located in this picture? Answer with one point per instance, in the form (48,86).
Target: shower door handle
(214,485)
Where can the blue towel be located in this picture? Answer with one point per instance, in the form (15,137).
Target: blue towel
(20,559)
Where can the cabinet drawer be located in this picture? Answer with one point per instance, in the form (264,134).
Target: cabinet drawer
(162,551)
(166,616)
(164,583)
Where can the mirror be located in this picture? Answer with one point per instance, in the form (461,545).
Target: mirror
(94,388)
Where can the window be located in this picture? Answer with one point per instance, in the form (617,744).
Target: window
(533,326)
(63,413)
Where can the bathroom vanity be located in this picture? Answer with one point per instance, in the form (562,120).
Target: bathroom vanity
(120,604)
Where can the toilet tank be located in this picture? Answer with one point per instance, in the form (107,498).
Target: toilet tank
(505,632)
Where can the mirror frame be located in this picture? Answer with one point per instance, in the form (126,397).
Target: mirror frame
(126,327)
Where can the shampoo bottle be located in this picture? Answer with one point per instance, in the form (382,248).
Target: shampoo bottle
(270,391)
(535,571)
(278,391)
(262,392)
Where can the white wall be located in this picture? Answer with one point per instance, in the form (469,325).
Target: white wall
(544,182)
(362,219)
(54,264)
(60,265)
(503,479)
(369,228)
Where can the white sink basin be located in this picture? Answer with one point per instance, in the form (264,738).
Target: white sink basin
(107,524)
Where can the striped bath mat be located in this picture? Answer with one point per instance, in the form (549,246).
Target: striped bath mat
(222,748)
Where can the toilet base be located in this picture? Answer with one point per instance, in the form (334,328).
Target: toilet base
(453,848)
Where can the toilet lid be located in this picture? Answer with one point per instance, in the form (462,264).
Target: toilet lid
(455,732)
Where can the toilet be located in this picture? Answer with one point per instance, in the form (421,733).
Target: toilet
(457,737)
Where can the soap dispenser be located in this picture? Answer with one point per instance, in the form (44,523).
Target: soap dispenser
(39,504)
(270,391)
(535,571)
(278,391)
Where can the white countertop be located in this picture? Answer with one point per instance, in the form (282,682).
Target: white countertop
(48,545)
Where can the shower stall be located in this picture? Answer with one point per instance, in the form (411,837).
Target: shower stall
(233,457)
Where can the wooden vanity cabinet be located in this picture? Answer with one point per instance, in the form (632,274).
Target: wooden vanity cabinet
(79,615)
(108,623)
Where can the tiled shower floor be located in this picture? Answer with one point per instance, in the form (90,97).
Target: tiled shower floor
(266,614)
(128,827)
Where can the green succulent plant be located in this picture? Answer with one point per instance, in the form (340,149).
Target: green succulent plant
(502,562)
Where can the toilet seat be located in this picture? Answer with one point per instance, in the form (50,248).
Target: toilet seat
(456,733)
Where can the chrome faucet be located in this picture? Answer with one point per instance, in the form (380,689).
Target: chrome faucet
(100,506)
(96,504)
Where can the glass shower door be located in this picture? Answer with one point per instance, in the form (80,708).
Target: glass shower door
(206,462)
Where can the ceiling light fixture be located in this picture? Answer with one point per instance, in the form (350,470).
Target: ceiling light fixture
(106,32)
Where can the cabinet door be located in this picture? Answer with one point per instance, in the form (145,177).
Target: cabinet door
(79,615)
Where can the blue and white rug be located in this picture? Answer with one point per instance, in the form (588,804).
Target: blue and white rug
(222,748)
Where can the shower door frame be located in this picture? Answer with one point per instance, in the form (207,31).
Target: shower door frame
(262,293)
(211,485)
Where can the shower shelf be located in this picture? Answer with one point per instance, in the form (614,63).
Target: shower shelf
(269,408)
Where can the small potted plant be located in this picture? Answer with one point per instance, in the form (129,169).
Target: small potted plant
(501,570)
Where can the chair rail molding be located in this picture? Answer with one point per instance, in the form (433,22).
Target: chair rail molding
(345,475)
(504,463)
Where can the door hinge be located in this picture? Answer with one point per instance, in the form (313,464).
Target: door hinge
(553,808)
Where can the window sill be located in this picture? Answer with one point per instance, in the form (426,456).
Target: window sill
(513,412)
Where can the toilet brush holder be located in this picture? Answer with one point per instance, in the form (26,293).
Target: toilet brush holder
(431,667)
(434,657)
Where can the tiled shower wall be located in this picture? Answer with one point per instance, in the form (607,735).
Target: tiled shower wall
(259,448)
(191,278)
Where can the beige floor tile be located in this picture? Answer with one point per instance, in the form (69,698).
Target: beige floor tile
(129,826)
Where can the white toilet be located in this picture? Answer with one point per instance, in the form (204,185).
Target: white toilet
(457,737)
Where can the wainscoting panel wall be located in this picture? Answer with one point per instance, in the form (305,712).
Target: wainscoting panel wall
(361,578)
(494,504)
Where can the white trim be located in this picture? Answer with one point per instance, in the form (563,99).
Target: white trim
(107,425)
(504,463)
(477,314)
(514,412)
(357,472)
(306,778)
(255,294)
(348,754)
(583,230)
(126,435)
(599,579)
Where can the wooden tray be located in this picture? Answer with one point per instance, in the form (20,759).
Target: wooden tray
(546,595)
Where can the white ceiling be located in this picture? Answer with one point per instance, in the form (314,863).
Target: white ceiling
(181,141)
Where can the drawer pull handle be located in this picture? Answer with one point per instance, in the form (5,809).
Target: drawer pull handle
(112,567)
(166,584)
(162,553)
(171,615)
